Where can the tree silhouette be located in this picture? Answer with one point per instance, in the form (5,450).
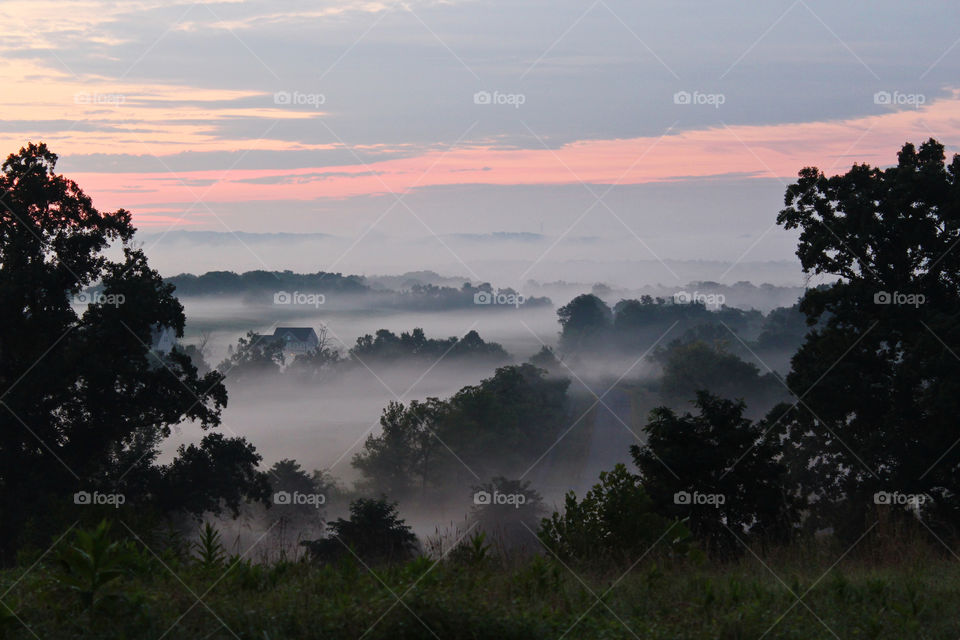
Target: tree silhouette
(879,381)
(585,322)
(717,470)
(79,384)
(375,533)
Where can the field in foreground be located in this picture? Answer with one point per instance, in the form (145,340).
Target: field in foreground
(809,592)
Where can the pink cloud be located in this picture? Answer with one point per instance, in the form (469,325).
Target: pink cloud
(760,150)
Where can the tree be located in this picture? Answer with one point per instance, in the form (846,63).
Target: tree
(717,470)
(494,428)
(878,382)
(473,346)
(386,346)
(400,459)
(585,322)
(614,520)
(640,324)
(695,366)
(374,533)
(500,425)
(221,473)
(256,355)
(298,501)
(79,383)
(547,360)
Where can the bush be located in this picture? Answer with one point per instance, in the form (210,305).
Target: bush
(374,533)
(615,519)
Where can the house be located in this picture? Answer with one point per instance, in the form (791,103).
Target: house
(297,340)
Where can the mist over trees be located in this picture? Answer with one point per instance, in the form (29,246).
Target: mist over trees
(756,431)
(276,287)
(495,428)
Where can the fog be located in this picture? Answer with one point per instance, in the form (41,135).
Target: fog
(324,423)
(507,259)
(227,318)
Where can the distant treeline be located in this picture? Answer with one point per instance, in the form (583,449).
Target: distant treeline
(279,287)
(590,325)
(258,355)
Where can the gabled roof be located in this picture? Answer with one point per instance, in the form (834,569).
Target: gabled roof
(301,334)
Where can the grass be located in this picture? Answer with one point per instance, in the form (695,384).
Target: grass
(877,590)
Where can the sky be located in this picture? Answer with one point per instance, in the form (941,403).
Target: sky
(612,130)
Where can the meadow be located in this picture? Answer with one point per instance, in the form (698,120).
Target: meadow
(888,585)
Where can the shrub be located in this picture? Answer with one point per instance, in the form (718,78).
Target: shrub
(615,519)
(374,533)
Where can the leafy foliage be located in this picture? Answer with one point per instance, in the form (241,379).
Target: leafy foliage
(294,519)
(879,377)
(696,366)
(492,428)
(90,563)
(404,456)
(221,473)
(256,355)
(386,346)
(718,471)
(473,552)
(209,548)
(615,519)
(586,320)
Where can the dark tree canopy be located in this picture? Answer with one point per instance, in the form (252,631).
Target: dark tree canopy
(696,366)
(717,470)
(85,398)
(585,322)
(497,427)
(879,379)
(219,474)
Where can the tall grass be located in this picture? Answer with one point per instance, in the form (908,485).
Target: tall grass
(893,583)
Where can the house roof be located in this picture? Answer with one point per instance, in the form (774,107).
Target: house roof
(301,334)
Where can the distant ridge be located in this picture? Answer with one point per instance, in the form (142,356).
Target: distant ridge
(497,236)
(229,237)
